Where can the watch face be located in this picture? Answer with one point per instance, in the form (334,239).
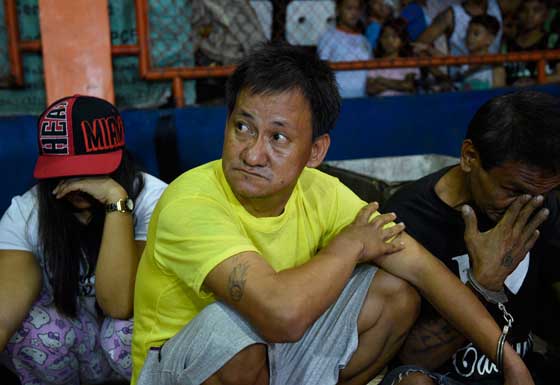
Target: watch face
(129,204)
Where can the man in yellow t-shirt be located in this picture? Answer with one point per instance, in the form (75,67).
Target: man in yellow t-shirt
(258,268)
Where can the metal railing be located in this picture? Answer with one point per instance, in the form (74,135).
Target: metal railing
(177,74)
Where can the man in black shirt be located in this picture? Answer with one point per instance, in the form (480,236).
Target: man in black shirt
(494,221)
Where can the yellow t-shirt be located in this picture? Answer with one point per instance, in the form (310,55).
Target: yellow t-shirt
(199,223)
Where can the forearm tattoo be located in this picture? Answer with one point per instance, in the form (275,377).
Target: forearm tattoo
(236,281)
(430,335)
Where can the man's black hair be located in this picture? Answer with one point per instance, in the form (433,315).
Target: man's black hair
(489,22)
(280,67)
(522,127)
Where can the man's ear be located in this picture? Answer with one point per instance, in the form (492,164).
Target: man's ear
(469,156)
(319,149)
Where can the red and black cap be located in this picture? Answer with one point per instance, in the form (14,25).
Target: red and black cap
(79,135)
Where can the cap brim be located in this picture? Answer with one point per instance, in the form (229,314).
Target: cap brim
(56,166)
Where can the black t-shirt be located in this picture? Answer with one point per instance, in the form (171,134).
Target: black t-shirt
(440,229)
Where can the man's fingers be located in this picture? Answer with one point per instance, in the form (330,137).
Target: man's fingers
(366,212)
(525,213)
(513,210)
(393,246)
(382,219)
(392,231)
(471,224)
(535,222)
(530,243)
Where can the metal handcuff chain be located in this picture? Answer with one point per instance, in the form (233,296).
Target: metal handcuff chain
(502,340)
(498,298)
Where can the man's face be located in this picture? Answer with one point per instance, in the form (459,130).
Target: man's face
(267,143)
(390,41)
(350,12)
(478,38)
(379,9)
(493,191)
(533,15)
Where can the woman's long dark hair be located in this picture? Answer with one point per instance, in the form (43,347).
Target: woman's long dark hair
(67,244)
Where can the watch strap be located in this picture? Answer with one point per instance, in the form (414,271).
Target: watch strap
(122,206)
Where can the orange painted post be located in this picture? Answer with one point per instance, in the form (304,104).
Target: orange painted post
(178,92)
(76,44)
(541,71)
(13,41)
(143,36)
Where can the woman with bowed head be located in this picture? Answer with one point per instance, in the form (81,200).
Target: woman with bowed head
(69,249)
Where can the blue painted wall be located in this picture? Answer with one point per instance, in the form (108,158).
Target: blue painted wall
(372,127)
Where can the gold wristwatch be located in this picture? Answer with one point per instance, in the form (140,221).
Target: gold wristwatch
(125,205)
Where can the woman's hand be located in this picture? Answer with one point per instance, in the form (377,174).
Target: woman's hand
(102,188)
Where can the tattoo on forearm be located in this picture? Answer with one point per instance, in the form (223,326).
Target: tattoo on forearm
(236,281)
(507,261)
(430,335)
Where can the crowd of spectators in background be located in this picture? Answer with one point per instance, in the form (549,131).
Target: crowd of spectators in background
(373,29)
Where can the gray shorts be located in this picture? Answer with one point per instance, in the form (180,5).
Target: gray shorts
(218,333)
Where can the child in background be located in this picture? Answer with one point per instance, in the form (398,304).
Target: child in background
(531,36)
(378,11)
(481,33)
(394,42)
(347,43)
